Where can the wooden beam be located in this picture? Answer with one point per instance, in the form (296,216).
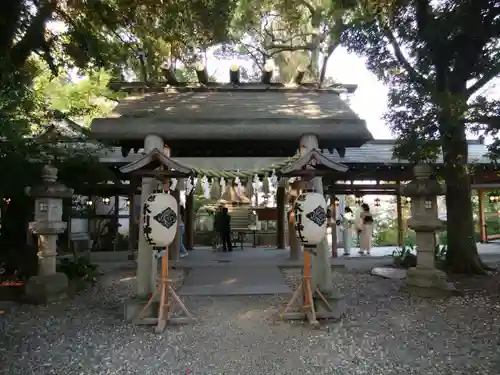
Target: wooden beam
(190,222)
(486,186)
(360,192)
(280,222)
(116,219)
(482,224)
(292,238)
(334,228)
(175,248)
(399,210)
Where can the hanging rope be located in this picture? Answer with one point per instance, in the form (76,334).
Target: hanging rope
(243,174)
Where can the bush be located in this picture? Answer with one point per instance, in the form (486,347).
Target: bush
(17,261)
(405,257)
(79,269)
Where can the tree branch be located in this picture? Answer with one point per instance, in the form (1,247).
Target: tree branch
(309,6)
(253,56)
(493,122)
(34,38)
(284,47)
(414,75)
(468,45)
(291,39)
(11,14)
(488,76)
(331,48)
(423,17)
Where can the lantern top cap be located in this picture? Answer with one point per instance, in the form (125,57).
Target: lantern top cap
(49,173)
(422,171)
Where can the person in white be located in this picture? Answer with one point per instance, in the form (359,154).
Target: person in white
(365,229)
(347,221)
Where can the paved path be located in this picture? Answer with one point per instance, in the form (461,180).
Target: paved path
(258,257)
(255,271)
(234,281)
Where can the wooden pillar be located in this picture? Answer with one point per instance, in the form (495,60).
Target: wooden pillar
(189,222)
(295,246)
(116,219)
(334,227)
(399,210)
(280,224)
(134,212)
(482,223)
(137,219)
(292,239)
(174,249)
(132,226)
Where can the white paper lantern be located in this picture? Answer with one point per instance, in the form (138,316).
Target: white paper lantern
(160,219)
(310,218)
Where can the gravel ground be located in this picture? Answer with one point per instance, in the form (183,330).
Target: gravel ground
(383,333)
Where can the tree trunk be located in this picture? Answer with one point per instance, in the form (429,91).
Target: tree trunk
(462,256)
(316,18)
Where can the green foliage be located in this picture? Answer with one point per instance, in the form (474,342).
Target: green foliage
(82,100)
(29,103)
(108,33)
(79,268)
(405,257)
(19,110)
(295,33)
(17,262)
(436,71)
(198,203)
(429,97)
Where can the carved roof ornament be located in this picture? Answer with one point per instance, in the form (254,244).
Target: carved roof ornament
(312,164)
(157,163)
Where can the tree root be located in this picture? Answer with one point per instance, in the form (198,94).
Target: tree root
(474,266)
(487,268)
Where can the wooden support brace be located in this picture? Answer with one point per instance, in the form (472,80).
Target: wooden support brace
(303,297)
(166,304)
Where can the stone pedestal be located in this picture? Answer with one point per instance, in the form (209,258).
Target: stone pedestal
(429,282)
(425,279)
(47,288)
(49,285)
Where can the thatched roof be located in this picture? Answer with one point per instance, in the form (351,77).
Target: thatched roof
(226,113)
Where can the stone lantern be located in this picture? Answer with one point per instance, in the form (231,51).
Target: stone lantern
(425,278)
(48,285)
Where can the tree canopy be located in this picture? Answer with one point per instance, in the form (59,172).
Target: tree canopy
(107,33)
(436,58)
(295,34)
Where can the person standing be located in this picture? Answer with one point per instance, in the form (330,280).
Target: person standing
(225,230)
(182,228)
(347,221)
(365,229)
